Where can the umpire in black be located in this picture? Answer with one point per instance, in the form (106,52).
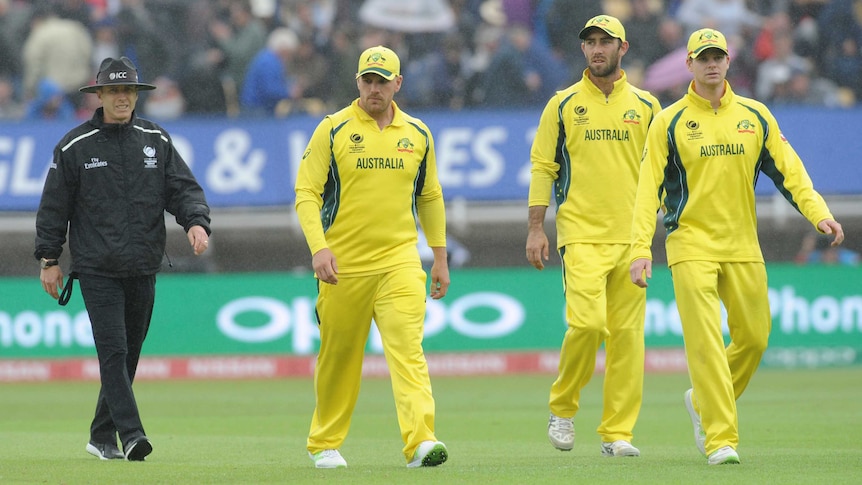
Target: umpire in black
(110,182)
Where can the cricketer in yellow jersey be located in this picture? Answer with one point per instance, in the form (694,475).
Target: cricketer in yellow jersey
(702,158)
(369,171)
(587,151)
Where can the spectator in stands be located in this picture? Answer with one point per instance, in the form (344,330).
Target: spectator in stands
(561,16)
(439,78)
(818,249)
(776,69)
(10,108)
(267,82)
(200,74)
(311,71)
(645,24)
(144,39)
(238,40)
(342,52)
(50,103)
(166,102)
(58,50)
(804,88)
(846,67)
(105,42)
(522,72)
(14,25)
(731,17)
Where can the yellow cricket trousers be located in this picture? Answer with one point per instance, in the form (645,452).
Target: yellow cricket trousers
(602,305)
(720,374)
(396,302)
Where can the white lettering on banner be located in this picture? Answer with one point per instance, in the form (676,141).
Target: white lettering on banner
(824,314)
(452,156)
(662,319)
(237,166)
(55,329)
(277,311)
(454,146)
(15,173)
(511,315)
(524,172)
(492,161)
(296,144)
(305,332)
(810,357)
(185,149)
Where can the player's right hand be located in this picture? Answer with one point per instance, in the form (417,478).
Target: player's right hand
(640,271)
(537,248)
(325,267)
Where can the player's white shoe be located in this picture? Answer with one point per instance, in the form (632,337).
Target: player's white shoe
(561,432)
(699,434)
(724,456)
(619,448)
(429,453)
(328,459)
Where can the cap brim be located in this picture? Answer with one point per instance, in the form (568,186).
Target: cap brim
(586,31)
(388,75)
(140,86)
(697,52)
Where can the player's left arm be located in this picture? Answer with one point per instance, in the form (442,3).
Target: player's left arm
(784,166)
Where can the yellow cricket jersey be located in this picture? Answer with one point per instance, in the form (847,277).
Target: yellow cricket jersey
(701,165)
(359,190)
(588,149)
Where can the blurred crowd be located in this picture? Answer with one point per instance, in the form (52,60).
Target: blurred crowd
(283,57)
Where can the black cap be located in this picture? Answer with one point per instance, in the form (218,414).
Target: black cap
(117,72)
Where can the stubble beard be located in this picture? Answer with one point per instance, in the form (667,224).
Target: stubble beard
(608,69)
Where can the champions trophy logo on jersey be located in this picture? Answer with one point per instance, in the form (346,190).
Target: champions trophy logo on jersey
(356,138)
(632,116)
(404,145)
(151,161)
(692,125)
(580,110)
(745,126)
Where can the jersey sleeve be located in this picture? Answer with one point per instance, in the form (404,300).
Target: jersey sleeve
(782,164)
(543,156)
(650,180)
(430,208)
(310,181)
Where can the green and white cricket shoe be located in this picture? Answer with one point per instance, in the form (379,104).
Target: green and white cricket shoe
(699,434)
(724,456)
(328,459)
(429,453)
(619,448)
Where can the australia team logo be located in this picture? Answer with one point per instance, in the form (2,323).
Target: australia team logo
(404,145)
(745,126)
(631,116)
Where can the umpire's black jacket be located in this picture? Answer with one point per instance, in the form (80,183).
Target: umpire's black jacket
(111,184)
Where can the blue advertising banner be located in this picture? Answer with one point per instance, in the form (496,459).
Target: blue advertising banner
(481,155)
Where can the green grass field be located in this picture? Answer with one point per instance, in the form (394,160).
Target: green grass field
(797,427)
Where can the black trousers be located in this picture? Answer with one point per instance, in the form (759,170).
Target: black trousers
(120,310)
